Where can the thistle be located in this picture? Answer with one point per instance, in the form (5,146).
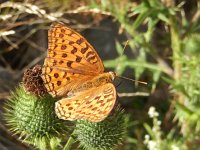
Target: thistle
(105,135)
(32,116)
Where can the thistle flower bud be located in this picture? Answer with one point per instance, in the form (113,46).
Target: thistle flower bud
(106,134)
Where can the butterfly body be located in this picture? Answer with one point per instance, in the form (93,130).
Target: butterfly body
(97,81)
(74,72)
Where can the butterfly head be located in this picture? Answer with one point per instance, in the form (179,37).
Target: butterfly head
(112,75)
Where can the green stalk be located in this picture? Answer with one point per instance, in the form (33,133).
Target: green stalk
(69,143)
(176,47)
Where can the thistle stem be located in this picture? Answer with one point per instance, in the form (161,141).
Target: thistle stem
(69,143)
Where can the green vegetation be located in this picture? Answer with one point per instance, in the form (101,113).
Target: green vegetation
(163,50)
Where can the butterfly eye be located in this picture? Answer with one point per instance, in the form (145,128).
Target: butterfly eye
(112,74)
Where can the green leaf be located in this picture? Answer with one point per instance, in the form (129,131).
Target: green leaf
(119,48)
(140,19)
(148,129)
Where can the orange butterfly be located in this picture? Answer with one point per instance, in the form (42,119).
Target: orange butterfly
(74,71)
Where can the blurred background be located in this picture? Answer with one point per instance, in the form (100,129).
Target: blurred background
(163,50)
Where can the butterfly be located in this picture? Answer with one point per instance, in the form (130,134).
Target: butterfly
(74,72)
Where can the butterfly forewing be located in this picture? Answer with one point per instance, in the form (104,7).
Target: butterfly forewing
(70,58)
(64,40)
(94,104)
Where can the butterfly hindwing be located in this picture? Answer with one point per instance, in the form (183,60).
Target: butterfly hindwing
(94,104)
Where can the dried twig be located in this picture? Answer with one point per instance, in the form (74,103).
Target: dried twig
(85,9)
(31,9)
(4,95)
(133,94)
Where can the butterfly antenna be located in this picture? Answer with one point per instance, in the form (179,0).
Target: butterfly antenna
(118,84)
(141,82)
(122,52)
(124,47)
